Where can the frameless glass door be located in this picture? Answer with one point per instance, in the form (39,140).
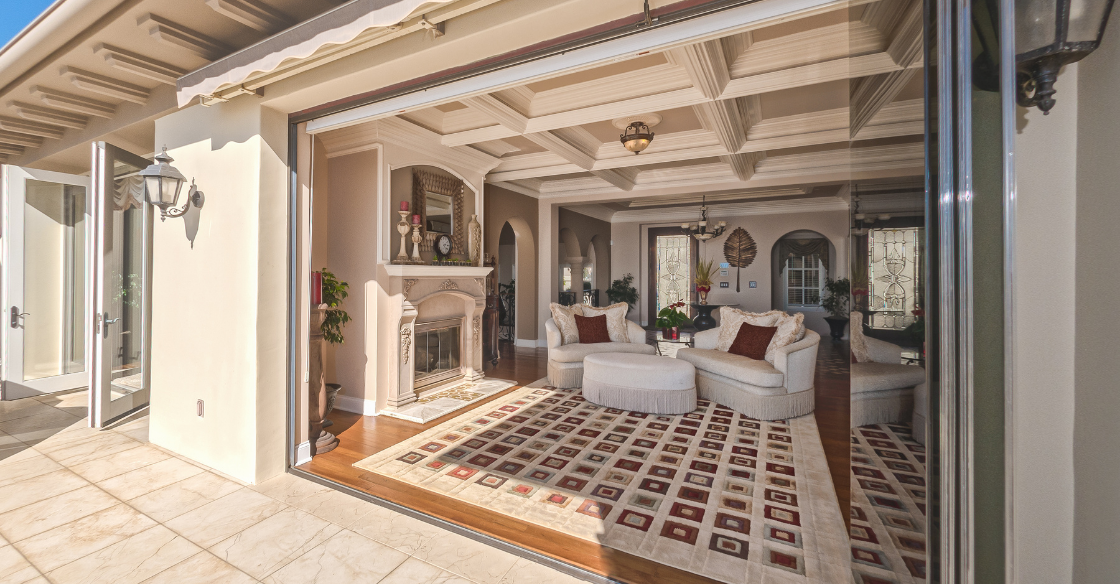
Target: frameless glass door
(45,276)
(120,375)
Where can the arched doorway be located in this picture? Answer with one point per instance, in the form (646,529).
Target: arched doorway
(517,265)
(801,261)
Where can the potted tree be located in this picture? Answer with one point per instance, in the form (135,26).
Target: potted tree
(671,319)
(623,290)
(704,279)
(334,318)
(836,303)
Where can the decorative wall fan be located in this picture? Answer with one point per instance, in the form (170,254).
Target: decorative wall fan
(739,250)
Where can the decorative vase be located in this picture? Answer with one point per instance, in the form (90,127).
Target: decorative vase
(671,333)
(836,327)
(474,241)
(333,389)
(703,295)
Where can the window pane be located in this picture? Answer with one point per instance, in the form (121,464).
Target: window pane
(673,264)
(796,278)
(795,262)
(795,296)
(812,296)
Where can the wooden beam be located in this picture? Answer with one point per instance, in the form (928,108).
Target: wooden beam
(74,103)
(49,116)
(103,85)
(138,64)
(177,35)
(253,14)
(33,128)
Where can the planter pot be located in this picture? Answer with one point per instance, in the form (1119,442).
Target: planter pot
(333,389)
(703,294)
(836,327)
(671,334)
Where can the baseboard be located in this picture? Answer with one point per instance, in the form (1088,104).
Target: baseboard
(365,407)
(303,453)
(526,343)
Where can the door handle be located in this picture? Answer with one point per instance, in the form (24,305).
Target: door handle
(16,315)
(109,321)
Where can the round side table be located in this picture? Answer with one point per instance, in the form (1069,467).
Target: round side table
(704,320)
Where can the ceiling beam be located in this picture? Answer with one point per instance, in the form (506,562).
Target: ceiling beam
(21,139)
(103,85)
(49,116)
(177,35)
(730,119)
(253,14)
(870,94)
(32,128)
(623,178)
(743,164)
(10,149)
(706,66)
(136,64)
(505,115)
(74,103)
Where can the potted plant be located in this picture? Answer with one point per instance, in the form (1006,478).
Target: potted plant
(334,318)
(836,303)
(671,319)
(859,286)
(623,290)
(704,271)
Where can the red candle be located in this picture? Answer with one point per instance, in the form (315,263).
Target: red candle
(415,219)
(316,288)
(404,205)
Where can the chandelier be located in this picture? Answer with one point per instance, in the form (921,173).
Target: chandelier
(701,230)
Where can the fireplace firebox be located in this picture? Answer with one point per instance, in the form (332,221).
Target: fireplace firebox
(438,346)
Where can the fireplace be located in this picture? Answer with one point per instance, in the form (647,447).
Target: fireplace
(438,346)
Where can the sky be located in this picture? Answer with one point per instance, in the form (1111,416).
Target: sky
(16,14)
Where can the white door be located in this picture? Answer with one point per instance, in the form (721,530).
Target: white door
(122,255)
(45,282)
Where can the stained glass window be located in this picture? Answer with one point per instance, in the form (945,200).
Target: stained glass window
(803,280)
(673,263)
(894,258)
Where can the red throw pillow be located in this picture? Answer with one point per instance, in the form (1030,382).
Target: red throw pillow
(593,329)
(750,342)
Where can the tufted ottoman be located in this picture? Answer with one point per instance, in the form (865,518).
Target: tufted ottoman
(640,383)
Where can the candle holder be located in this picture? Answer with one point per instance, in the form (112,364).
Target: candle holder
(403,229)
(416,244)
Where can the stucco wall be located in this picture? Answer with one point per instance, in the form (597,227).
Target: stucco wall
(220,287)
(502,206)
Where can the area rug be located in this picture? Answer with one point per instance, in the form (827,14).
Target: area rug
(888,505)
(445,399)
(711,492)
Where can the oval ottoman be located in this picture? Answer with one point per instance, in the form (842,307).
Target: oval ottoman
(641,383)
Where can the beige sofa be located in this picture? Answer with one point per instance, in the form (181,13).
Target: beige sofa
(756,388)
(565,362)
(883,388)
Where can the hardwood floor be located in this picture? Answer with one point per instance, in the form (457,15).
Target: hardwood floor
(362,436)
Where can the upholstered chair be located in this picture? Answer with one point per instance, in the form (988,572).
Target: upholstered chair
(565,362)
(882,387)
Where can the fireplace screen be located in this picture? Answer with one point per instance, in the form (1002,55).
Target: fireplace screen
(437,352)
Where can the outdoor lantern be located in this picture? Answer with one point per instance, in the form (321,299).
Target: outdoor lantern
(1048,35)
(162,184)
(636,137)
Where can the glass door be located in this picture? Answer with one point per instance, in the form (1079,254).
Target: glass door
(45,275)
(122,243)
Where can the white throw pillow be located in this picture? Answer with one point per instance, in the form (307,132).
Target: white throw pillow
(791,328)
(858,341)
(616,320)
(565,319)
(732,319)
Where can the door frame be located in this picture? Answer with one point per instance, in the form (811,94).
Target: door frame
(652,233)
(12,242)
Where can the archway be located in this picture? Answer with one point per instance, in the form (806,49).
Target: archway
(599,248)
(801,261)
(525,280)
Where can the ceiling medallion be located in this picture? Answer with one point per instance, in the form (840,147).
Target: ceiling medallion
(636,134)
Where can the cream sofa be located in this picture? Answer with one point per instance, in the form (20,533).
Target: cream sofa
(756,388)
(565,362)
(883,388)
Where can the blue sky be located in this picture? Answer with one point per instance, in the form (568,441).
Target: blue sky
(16,14)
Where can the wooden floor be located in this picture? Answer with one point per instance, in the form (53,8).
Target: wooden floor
(362,436)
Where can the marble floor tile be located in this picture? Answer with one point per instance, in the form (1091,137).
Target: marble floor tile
(217,520)
(100,469)
(31,464)
(263,548)
(395,530)
(7,441)
(174,500)
(466,557)
(136,429)
(201,568)
(146,479)
(14,568)
(337,507)
(289,489)
(21,408)
(90,448)
(66,436)
(33,519)
(129,561)
(70,400)
(45,417)
(529,571)
(60,546)
(346,557)
(9,451)
(38,488)
(414,571)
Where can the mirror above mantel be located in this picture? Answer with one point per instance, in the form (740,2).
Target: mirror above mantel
(438,199)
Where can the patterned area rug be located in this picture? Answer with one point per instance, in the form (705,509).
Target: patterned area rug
(711,492)
(445,399)
(888,505)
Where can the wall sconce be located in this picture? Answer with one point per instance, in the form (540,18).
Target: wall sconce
(162,184)
(1050,34)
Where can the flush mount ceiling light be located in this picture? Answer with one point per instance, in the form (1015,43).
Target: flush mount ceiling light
(636,133)
(162,184)
(1050,34)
